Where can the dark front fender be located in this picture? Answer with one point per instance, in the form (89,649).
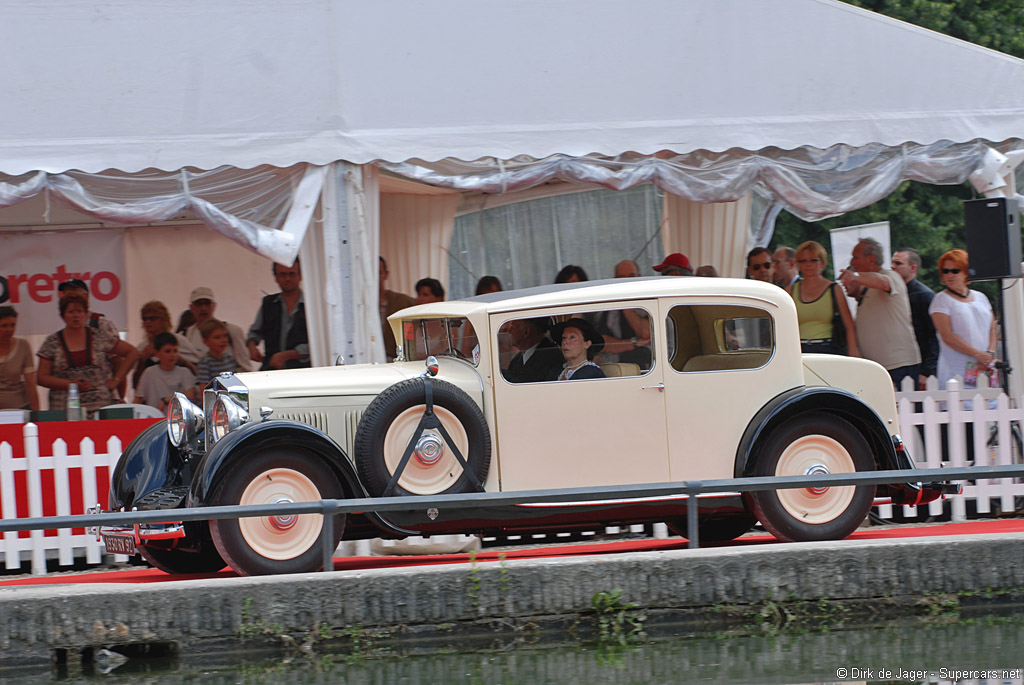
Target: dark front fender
(148,463)
(277,433)
(792,403)
(215,466)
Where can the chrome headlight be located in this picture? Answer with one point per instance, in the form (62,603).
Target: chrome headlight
(227,415)
(184,420)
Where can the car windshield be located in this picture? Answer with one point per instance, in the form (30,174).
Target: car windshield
(440,337)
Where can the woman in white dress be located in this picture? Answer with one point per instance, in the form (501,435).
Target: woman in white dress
(964,321)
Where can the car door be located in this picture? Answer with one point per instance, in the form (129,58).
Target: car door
(722,364)
(574,433)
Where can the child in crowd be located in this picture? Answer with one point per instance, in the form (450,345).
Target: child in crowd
(160,382)
(218,357)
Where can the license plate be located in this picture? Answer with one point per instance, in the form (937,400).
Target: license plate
(118,544)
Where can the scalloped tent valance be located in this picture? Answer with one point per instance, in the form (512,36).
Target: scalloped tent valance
(245,83)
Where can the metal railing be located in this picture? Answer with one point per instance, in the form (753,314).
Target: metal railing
(330,507)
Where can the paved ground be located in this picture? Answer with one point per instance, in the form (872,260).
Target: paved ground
(38,623)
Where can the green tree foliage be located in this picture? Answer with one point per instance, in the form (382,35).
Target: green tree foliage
(926,217)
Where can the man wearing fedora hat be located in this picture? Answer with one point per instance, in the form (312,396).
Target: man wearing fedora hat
(202,305)
(580,343)
(676,264)
(538,359)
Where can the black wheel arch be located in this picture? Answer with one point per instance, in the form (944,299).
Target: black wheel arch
(148,463)
(826,400)
(215,465)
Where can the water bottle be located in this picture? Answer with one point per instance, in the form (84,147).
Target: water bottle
(74,409)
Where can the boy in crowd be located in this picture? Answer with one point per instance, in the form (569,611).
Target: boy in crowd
(218,357)
(161,381)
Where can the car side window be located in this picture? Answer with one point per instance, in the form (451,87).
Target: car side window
(601,344)
(718,337)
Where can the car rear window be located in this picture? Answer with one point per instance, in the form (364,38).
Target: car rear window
(718,337)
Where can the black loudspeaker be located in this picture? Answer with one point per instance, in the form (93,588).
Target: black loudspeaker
(993,238)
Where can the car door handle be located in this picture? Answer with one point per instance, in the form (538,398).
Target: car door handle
(660,387)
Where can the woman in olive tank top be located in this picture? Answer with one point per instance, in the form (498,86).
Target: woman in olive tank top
(817,299)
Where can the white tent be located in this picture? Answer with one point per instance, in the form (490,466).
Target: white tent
(813,103)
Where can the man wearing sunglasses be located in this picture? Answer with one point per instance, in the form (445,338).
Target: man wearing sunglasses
(759,265)
(885,333)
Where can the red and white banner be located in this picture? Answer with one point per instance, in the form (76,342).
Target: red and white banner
(32,265)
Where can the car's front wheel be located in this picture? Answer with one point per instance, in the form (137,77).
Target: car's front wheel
(288,543)
(814,444)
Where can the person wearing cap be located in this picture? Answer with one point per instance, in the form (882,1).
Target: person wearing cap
(580,343)
(202,304)
(281,324)
(676,264)
(538,358)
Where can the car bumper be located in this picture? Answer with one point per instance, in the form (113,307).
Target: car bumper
(125,539)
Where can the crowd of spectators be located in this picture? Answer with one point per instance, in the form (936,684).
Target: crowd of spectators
(899,322)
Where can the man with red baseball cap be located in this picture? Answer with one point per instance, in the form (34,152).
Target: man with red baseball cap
(676,264)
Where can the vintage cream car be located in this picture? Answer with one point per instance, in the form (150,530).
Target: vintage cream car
(719,390)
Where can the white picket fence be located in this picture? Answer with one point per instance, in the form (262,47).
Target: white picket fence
(922,416)
(66,545)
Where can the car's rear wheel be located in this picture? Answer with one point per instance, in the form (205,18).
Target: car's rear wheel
(390,423)
(814,444)
(203,559)
(288,543)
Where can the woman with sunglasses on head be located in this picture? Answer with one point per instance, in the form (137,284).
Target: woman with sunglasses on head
(817,299)
(156,319)
(964,321)
(80,355)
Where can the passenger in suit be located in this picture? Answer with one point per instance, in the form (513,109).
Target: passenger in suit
(538,359)
(580,343)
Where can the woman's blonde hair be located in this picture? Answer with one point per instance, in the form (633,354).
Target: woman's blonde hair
(815,248)
(158,308)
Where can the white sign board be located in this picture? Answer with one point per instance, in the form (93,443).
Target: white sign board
(32,265)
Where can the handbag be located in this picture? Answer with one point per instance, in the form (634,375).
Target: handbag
(838,327)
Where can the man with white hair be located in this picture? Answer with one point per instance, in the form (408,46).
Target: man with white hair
(202,305)
(885,333)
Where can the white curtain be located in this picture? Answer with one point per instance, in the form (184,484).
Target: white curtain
(717,234)
(527,243)
(415,231)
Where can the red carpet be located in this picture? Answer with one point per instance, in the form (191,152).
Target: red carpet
(151,575)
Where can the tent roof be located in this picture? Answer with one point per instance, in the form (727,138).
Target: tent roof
(130,85)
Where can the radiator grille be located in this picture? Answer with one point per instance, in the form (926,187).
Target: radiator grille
(351,424)
(316,419)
